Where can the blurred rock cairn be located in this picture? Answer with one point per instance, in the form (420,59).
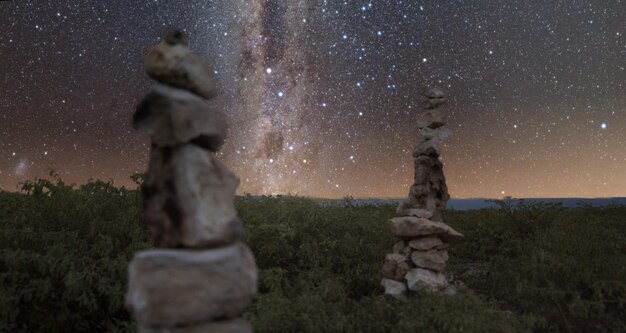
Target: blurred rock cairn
(419,259)
(200,278)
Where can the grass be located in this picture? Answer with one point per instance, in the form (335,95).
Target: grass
(526,267)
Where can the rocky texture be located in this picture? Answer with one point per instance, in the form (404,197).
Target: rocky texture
(424,279)
(433,259)
(204,278)
(227,326)
(172,117)
(395,289)
(426,243)
(173,64)
(189,199)
(396,266)
(408,227)
(419,222)
(177,287)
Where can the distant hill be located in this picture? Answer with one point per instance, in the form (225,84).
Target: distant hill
(469,204)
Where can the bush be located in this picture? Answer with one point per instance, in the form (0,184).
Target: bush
(528,267)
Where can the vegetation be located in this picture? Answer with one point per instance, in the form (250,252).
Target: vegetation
(527,267)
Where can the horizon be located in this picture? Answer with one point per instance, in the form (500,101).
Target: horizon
(322,97)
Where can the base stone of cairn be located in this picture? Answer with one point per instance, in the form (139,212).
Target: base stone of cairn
(200,278)
(419,259)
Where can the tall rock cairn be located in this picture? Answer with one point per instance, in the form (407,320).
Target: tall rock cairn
(419,259)
(200,278)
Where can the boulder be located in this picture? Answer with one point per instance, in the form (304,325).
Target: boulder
(168,288)
(408,227)
(189,199)
(423,279)
(173,63)
(430,118)
(172,117)
(227,326)
(433,259)
(396,266)
(395,289)
(425,243)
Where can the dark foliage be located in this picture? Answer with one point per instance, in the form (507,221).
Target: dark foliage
(527,266)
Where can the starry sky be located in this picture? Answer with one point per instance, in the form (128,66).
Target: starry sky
(322,95)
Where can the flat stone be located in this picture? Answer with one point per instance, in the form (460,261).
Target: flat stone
(425,243)
(173,116)
(418,213)
(431,148)
(395,289)
(423,279)
(431,118)
(228,326)
(188,199)
(411,227)
(187,287)
(441,133)
(396,266)
(174,64)
(433,259)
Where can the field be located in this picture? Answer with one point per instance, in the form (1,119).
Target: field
(525,268)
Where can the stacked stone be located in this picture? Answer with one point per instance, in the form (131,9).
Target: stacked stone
(200,278)
(419,259)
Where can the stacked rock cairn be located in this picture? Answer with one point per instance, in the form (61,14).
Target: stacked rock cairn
(419,259)
(200,277)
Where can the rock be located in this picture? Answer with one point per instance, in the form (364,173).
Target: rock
(189,199)
(450,290)
(411,227)
(430,191)
(398,247)
(433,103)
(173,116)
(441,133)
(423,279)
(418,213)
(431,148)
(186,287)
(395,289)
(435,92)
(431,118)
(229,326)
(433,259)
(425,243)
(396,266)
(174,64)
(176,37)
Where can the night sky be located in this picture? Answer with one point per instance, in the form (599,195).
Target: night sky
(322,96)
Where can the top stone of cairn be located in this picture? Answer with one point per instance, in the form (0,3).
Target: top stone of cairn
(172,63)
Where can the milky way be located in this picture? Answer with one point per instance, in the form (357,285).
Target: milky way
(322,95)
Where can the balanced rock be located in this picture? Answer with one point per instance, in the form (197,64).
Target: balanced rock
(396,266)
(189,199)
(418,213)
(226,326)
(433,259)
(436,97)
(411,227)
(441,133)
(172,116)
(429,148)
(424,279)
(431,118)
(395,289)
(168,288)
(426,243)
(173,63)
